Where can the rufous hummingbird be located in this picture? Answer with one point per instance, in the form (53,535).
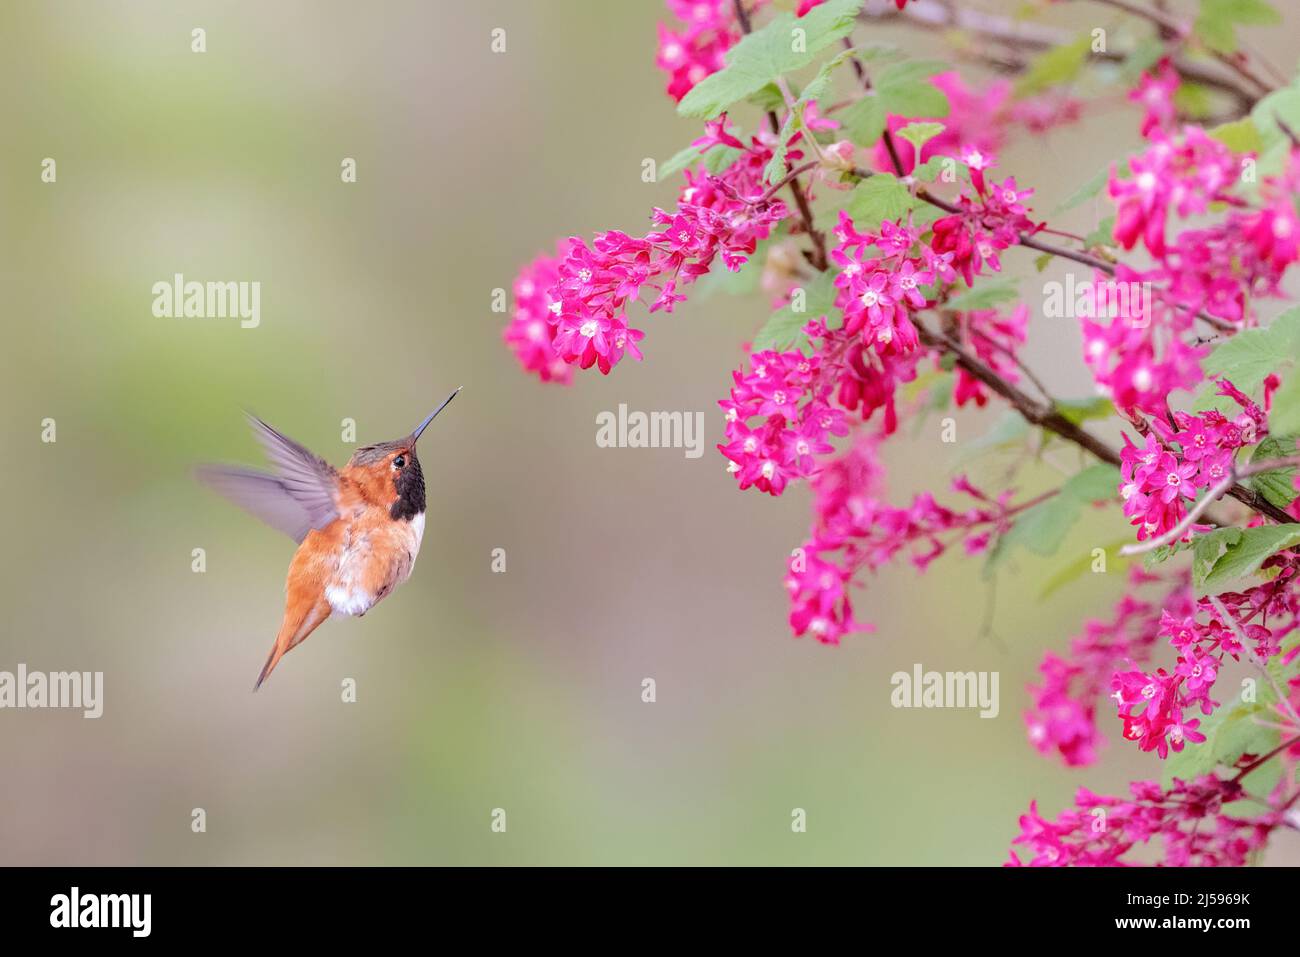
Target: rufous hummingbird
(358,528)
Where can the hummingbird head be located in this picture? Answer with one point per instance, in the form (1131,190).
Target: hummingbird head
(393,466)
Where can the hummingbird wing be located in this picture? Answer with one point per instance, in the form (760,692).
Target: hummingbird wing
(262,494)
(299,496)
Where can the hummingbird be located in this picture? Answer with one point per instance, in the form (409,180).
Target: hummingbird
(358,528)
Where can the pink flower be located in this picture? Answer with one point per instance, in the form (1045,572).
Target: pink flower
(530,333)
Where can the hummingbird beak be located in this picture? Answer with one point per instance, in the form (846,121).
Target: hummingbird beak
(415,436)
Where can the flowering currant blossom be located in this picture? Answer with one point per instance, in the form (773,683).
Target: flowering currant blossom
(893,238)
(530,333)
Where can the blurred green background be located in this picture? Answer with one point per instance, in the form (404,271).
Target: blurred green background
(475,690)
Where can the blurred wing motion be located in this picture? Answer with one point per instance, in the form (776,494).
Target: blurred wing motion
(299,496)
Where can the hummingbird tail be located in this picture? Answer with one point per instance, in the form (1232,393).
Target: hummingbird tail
(298,624)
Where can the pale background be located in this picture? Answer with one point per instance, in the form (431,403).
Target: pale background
(476,690)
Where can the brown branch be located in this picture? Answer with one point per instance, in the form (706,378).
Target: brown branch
(1023,36)
(1037,413)
(1047,416)
(1170,26)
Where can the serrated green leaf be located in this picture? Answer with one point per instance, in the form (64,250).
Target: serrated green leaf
(918,134)
(987,295)
(784,330)
(1079,411)
(1251,355)
(1276,485)
(1230,732)
(783,45)
(1162,554)
(878,198)
(1228,554)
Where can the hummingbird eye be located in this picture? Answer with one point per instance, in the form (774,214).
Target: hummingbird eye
(399,462)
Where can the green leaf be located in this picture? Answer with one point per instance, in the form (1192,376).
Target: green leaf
(716,160)
(986,295)
(1216,33)
(1240,136)
(929,171)
(1099,483)
(1009,432)
(1055,67)
(720,157)
(1079,411)
(918,134)
(1223,556)
(1042,528)
(864,120)
(782,46)
(768,99)
(679,161)
(784,330)
(1276,485)
(1076,569)
(1216,25)
(1285,418)
(905,89)
(1229,733)
(775,168)
(1162,554)
(1103,235)
(1251,355)
(1194,100)
(877,198)
(1281,104)
(1144,56)
(1092,186)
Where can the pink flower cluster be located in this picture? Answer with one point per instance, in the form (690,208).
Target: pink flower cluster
(695,50)
(787,395)
(1189,818)
(1063,718)
(1184,175)
(1141,357)
(530,334)
(877,294)
(987,223)
(1178,461)
(1153,706)
(717,216)
(854,531)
